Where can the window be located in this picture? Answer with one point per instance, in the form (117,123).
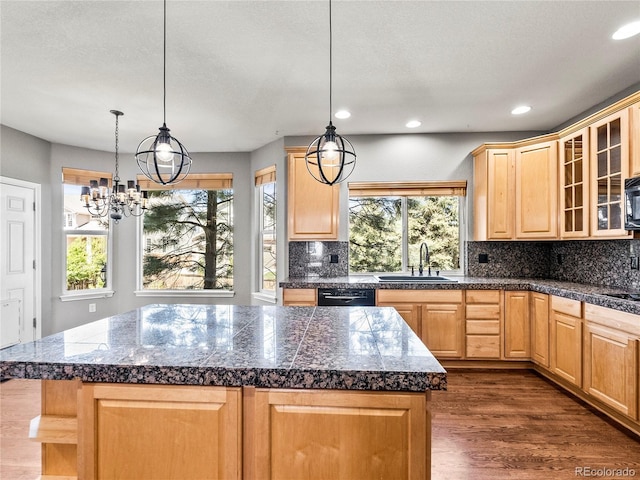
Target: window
(187,235)
(389,221)
(265,180)
(86,237)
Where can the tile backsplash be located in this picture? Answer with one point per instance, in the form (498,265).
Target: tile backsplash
(595,262)
(318,259)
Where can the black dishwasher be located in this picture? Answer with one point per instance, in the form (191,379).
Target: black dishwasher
(346,297)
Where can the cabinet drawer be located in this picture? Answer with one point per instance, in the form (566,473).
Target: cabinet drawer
(483,346)
(483,327)
(566,305)
(483,296)
(483,311)
(299,296)
(420,296)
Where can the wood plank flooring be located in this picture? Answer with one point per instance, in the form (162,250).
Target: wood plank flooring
(488,425)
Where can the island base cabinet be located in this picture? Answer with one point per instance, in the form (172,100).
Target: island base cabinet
(153,431)
(321,434)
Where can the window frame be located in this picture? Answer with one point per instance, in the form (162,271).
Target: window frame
(195,181)
(80,177)
(265,176)
(405,190)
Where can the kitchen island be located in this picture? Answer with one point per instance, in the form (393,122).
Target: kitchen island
(219,391)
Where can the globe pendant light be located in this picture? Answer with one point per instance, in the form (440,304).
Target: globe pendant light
(330,158)
(162,158)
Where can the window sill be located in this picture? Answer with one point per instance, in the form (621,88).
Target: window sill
(265,297)
(72,297)
(185,293)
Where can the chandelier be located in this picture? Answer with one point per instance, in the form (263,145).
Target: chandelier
(162,158)
(121,201)
(330,158)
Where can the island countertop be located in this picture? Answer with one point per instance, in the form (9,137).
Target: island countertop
(347,348)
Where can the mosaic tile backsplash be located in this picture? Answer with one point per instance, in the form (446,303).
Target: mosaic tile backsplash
(318,259)
(594,262)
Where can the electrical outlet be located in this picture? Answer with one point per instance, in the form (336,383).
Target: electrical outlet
(333,258)
(92,308)
(635,263)
(483,258)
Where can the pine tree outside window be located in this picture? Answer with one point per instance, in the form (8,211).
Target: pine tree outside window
(265,182)
(187,235)
(388,221)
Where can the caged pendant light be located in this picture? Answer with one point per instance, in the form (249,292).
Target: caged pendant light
(162,158)
(330,158)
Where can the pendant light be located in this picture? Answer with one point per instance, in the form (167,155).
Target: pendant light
(162,158)
(121,201)
(330,158)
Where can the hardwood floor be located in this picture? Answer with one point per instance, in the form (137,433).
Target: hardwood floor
(488,425)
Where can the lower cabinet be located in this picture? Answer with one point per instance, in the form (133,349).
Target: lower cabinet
(181,432)
(566,339)
(437,317)
(300,297)
(611,358)
(539,315)
(483,322)
(517,336)
(340,435)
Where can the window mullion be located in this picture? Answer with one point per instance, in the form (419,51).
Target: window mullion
(405,234)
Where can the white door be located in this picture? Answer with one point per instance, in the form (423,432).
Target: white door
(17,259)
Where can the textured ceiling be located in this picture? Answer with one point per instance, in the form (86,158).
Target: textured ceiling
(241,73)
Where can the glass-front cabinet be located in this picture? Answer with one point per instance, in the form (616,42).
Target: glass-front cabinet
(574,193)
(609,168)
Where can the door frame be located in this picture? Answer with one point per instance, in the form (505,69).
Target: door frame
(37,233)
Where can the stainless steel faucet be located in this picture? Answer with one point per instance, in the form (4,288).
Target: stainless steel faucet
(426,260)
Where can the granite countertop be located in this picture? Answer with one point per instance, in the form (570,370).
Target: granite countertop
(593,294)
(354,348)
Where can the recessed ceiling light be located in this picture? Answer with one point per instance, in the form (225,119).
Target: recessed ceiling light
(520,110)
(343,114)
(413,124)
(626,31)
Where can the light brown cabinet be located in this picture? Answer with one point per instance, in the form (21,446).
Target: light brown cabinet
(186,432)
(517,330)
(611,358)
(483,324)
(609,158)
(540,328)
(565,339)
(574,185)
(299,297)
(634,153)
(345,435)
(437,314)
(494,194)
(313,207)
(537,191)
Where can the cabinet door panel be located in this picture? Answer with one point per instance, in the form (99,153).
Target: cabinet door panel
(574,185)
(566,343)
(443,329)
(537,191)
(517,336)
(310,435)
(500,194)
(171,432)
(610,368)
(540,328)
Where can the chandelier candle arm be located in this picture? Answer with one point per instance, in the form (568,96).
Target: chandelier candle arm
(330,158)
(162,158)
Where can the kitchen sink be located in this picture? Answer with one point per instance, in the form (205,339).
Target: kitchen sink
(414,279)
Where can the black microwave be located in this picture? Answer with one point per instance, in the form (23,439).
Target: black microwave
(632,203)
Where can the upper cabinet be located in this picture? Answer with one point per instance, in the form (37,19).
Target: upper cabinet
(609,169)
(537,191)
(568,184)
(574,185)
(313,207)
(515,191)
